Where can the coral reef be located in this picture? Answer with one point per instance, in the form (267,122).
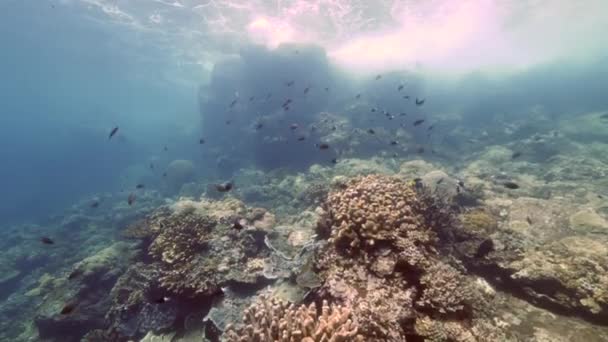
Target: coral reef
(275,320)
(382,260)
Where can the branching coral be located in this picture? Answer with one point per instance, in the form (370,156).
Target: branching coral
(370,210)
(445,290)
(275,320)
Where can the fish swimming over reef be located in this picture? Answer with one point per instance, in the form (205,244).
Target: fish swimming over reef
(113,132)
(46,240)
(418,122)
(224,187)
(131,199)
(419,102)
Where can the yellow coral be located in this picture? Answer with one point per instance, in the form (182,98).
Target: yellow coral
(478,221)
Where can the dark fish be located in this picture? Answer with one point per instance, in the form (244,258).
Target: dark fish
(75,273)
(94,204)
(394,143)
(68,308)
(378,77)
(286,103)
(358,96)
(528,219)
(224,187)
(333,128)
(516,155)
(268,96)
(511,185)
(400,87)
(201,141)
(402,114)
(161,300)
(237,225)
(419,102)
(258,126)
(228,122)
(371,131)
(233,103)
(139,186)
(165,148)
(290,83)
(460,183)
(395,155)
(151,166)
(322,146)
(293,126)
(439,181)
(306,90)
(407,97)
(164,174)
(302,138)
(373,110)
(418,122)
(430,127)
(286,108)
(334,161)
(46,240)
(604,116)
(420,150)
(251,98)
(326,88)
(131,199)
(484,248)
(113,132)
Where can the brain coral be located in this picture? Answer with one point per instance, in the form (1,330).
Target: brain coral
(275,320)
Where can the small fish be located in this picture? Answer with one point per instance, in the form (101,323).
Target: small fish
(151,166)
(439,181)
(333,128)
(407,97)
(139,186)
(94,204)
(334,161)
(68,308)
(371,131)
(484,248)
(529,220)
(165,148)
(516,155)
(326,88)
(419,102)
(258,126)
(268,96)
(293,126)
(430,127)
(201,141)
(302,138)
(373,110)
(164,174)
(228,122)
(322,146)
(378,77)
(75,273)
(224,187)
(251,98)
(400,87)
(402,114)
(306,90)
(286,108)
(233,103)
(394,143)
(161,300)
(358,96)
(237,225)
(131,199)
(113,132)
(290,83)
(510,185)
(46,240)
(418,122)
(420,150)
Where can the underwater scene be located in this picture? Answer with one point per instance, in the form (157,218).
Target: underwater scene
(292,170)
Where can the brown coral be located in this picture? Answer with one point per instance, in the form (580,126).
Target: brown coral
(445,290)
(275,320)
(371,210)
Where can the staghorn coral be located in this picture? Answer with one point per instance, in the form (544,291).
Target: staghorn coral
(275,320)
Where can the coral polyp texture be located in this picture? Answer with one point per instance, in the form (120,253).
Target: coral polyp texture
(382,261)
(272,319)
